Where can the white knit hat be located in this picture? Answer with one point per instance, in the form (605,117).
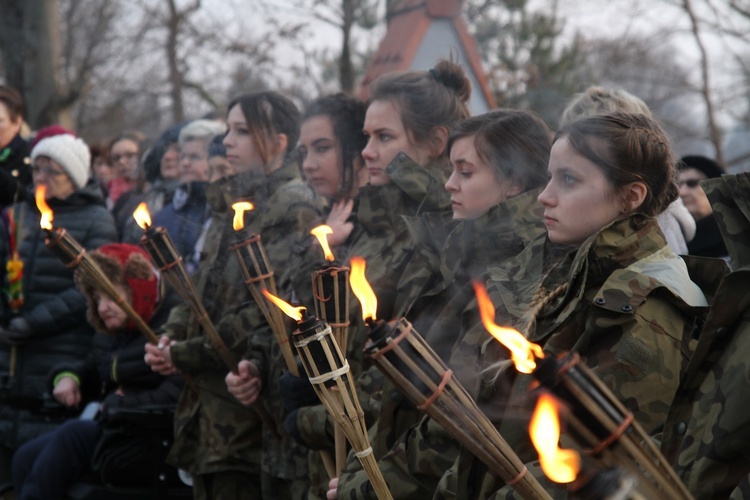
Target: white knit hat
(71,153)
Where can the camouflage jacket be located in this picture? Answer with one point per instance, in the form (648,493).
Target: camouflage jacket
(382,238)
(435,293)
(213,432)
(629,310)
(707,429)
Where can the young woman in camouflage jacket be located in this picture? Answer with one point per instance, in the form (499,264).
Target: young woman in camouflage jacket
(330,147)
(218,439)
(499,163)
(622,299)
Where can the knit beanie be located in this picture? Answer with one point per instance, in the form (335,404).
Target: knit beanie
(709,167)
(126,265)
(71,153)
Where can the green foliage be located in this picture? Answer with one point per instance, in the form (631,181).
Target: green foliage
(530,64)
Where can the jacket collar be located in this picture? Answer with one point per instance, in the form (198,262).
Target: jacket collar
(413,190)
(255,186)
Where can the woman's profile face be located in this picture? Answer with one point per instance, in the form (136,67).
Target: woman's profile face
(110,313)
(386,138)
(473,185)
(578,200)
(242,151)
(8,127)
(320,154)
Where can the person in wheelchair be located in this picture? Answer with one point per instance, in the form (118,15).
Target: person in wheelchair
(114,374)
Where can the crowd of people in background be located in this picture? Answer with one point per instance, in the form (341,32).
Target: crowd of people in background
(595,238)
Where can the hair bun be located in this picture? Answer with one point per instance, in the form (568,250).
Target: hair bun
(451,75)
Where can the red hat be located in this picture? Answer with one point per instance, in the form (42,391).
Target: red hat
(127,265)
(49,131)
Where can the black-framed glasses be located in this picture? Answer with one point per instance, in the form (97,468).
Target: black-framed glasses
(691,183)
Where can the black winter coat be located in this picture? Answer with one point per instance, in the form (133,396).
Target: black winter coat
(116,363)
(15,171)
(53,306)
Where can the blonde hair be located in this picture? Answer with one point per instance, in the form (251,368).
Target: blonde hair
(602,100)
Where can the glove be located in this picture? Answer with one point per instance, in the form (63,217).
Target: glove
(296,392)
(290,426)
(16,333)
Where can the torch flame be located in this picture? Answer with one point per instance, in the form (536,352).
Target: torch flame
(523,352)
(559,465)
(288,309)
(320,232)
(41,203)
(362,289)
(141,216)
(238,222)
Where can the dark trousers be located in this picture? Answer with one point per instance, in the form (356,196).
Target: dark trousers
(45,467)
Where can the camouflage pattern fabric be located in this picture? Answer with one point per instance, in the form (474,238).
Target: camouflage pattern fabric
(708,428)
(629,310)
(436,294)
(382,238)
(213,432)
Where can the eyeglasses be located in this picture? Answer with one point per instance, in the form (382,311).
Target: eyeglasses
(691,183)
(47,171)
(123,156)
(192,158)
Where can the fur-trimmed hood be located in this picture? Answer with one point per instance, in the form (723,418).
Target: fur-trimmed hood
(126,265)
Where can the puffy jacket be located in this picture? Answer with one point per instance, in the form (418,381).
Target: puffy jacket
(15,171)
(184,217)
(54,309)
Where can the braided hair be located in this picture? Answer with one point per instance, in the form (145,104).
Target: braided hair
(628,148)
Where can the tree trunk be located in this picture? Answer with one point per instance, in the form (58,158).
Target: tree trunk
(11,42)
(175,77)
(713,129)
(346,68)
(40,87)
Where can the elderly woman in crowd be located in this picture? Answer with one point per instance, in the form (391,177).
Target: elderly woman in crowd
(43,315)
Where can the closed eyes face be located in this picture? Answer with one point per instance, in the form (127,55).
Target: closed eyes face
(579,200)
(320,156)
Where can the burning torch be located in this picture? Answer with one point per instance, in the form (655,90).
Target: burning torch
(328,371)
(418,372)
(598,421)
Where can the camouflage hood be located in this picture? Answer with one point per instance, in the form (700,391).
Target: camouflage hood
(728,197)
(626,260)
(413,190)
(504,231)
(255,186)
